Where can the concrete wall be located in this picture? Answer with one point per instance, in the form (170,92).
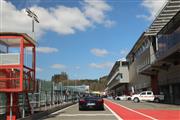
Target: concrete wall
(171,76)
(137,80)
(115,80)
(125,74)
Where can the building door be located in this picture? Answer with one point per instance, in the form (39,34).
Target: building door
(176,91)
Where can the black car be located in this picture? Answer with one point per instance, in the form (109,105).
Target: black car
(91,102)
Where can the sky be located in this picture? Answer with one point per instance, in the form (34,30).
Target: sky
(81,37)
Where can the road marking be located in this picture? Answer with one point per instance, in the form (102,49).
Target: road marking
(134,111)
(66,115)
(117,116)
(62,109)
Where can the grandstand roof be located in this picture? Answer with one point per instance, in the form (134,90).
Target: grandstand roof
(170,9)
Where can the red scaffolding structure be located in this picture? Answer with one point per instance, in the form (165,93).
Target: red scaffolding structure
(16,76)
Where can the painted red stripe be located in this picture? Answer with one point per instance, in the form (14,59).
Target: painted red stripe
(163,114)
(124,113)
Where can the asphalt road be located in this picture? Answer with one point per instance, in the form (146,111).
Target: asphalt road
(120,110)
(72,113)
(147,105)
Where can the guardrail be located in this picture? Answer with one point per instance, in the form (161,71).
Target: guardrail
(9,58)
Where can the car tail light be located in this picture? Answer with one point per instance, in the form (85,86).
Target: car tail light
(100,100)
(82,101)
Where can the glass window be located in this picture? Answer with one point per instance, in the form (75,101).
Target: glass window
(149,93)
(120,76)
(124,63)
(3,49)
(143,93)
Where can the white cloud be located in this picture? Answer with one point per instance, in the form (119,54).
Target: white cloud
(96,9)
(109,23)
(122,59)
(60,19)
(63,20)
(99,52)
(101,65)
(153,7)
(39,69)
(124,52)
(46,49)
(13,19)
(77,67)
(58,66)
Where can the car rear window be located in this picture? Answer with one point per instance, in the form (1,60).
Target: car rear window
(149,93)
(91,98)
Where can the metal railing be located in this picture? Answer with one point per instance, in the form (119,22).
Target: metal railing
(39,105)
(45,98)
(9,58)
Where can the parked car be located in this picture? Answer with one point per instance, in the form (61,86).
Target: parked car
(123,97)
(147,96)
(110,97)
(91,102)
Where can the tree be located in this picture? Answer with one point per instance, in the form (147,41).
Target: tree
(60,77)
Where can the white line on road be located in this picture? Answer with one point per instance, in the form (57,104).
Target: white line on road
(85,115)
(118,117)
(62,109)
(134,111)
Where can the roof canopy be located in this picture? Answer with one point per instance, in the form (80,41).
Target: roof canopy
(166,14)
(13,39)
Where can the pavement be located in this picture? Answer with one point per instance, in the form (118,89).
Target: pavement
(72,113)
(120,110)
(44,112)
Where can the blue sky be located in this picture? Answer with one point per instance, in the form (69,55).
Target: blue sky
(81,37)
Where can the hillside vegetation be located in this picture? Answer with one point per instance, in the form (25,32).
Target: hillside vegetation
(95,84)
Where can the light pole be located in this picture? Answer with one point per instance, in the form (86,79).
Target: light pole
(74,91)
(34,18)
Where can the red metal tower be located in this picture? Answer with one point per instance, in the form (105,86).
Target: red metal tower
(17,70)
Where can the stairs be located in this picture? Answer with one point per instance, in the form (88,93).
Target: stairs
(15,105)
(20,105)
(20,102)
(25,103)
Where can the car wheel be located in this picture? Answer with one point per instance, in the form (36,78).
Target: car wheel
(156,100)
(136,100)
(100,107)
(118,98)
(80,109)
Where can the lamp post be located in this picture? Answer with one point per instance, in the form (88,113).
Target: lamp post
(34,18)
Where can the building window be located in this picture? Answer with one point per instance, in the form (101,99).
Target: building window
(167,41)
(145,45)
(124,63)
(119,76)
